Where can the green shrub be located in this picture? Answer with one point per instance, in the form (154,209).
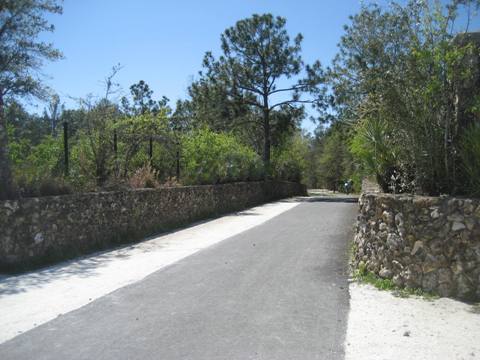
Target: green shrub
(82,165)
(211,158)
(289,160)
(38,169)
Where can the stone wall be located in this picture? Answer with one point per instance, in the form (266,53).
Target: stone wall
(431,243)
(37,231)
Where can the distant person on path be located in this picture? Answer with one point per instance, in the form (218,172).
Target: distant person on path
(348,186)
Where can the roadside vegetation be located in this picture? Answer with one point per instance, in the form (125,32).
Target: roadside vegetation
(399,102)
(228,129)
(362,275)
(406,101)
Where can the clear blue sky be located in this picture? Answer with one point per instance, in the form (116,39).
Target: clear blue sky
(163,42)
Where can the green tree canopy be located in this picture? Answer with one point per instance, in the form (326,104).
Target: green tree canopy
(141,100)
(258,56)
(21,56)
(396,78)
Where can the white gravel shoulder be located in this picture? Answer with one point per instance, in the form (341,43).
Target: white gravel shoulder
(383,326)
(32,299)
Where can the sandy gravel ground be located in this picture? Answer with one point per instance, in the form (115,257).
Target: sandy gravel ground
(32,299)
(382,326)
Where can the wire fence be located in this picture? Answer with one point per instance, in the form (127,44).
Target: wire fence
(171,144)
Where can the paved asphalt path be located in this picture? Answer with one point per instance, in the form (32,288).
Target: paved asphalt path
(277,291)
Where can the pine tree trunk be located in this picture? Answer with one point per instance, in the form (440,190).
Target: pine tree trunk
(266,143)
(5,170)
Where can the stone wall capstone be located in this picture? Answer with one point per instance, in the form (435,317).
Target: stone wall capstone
(431,243)
(38,231)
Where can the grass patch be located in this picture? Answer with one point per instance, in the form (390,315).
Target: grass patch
(362,275)
(367,277)
(378,282)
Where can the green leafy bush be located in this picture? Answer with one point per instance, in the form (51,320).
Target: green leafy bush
(289,160)
(45,158)
(82,164)
(399,75)
(38,169)
(37,166)
(211,158)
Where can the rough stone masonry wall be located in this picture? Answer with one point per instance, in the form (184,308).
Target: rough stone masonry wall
(36,231)
(431,243)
